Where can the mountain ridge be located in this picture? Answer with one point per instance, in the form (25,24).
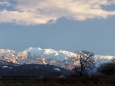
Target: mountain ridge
(61,58)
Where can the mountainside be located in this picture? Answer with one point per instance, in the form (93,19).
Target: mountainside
(32,71)
(61,58)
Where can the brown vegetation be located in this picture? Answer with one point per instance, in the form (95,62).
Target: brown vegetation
(95,80)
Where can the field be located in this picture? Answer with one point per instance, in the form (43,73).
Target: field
(96,80)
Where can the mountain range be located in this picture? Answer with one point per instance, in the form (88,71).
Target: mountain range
(61,58)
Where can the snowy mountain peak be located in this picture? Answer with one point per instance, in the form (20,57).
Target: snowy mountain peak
(38,55)
(46,52)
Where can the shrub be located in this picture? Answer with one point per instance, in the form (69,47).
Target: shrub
(107,68)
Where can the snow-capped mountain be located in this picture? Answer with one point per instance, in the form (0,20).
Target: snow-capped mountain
(61,58)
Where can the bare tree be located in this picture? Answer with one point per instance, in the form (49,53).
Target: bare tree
(113,60)
(86,61)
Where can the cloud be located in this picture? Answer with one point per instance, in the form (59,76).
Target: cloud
(45,11)
(5,3)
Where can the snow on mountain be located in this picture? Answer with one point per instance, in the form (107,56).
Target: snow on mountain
(49,56)
(59,58)
(8,55)
(99,59)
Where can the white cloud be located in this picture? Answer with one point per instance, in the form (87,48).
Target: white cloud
(42,11)
(5,3)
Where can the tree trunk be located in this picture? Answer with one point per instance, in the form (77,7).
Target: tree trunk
(81,70)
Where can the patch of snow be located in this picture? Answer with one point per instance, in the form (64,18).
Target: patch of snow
(10,67)
(57,69)
(4,67)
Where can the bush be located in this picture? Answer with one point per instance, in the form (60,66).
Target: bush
(107,68)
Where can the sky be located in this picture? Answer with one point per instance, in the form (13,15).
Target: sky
(70,25)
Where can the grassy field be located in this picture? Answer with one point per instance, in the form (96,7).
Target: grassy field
(97,80)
